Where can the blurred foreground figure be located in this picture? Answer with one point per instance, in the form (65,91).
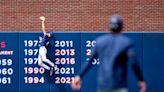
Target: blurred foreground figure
(114,51)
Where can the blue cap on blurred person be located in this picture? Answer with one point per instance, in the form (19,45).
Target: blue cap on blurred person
(115,23)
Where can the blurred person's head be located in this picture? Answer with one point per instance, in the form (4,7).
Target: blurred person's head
(115,24)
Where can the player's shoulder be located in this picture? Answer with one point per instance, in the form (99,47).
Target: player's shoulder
(103,38)
(126,39)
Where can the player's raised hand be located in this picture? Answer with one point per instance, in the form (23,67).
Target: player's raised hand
(76,83)
(42,18)
(142,86)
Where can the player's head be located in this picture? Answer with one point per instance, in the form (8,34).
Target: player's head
(49,33)
(116,23)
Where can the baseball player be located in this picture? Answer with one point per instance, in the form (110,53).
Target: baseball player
(113,51)
(43,61)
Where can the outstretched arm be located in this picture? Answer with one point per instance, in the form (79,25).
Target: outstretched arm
(137,69)
(87,67)
(76,83)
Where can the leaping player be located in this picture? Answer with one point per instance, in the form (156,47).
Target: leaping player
(43,61)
